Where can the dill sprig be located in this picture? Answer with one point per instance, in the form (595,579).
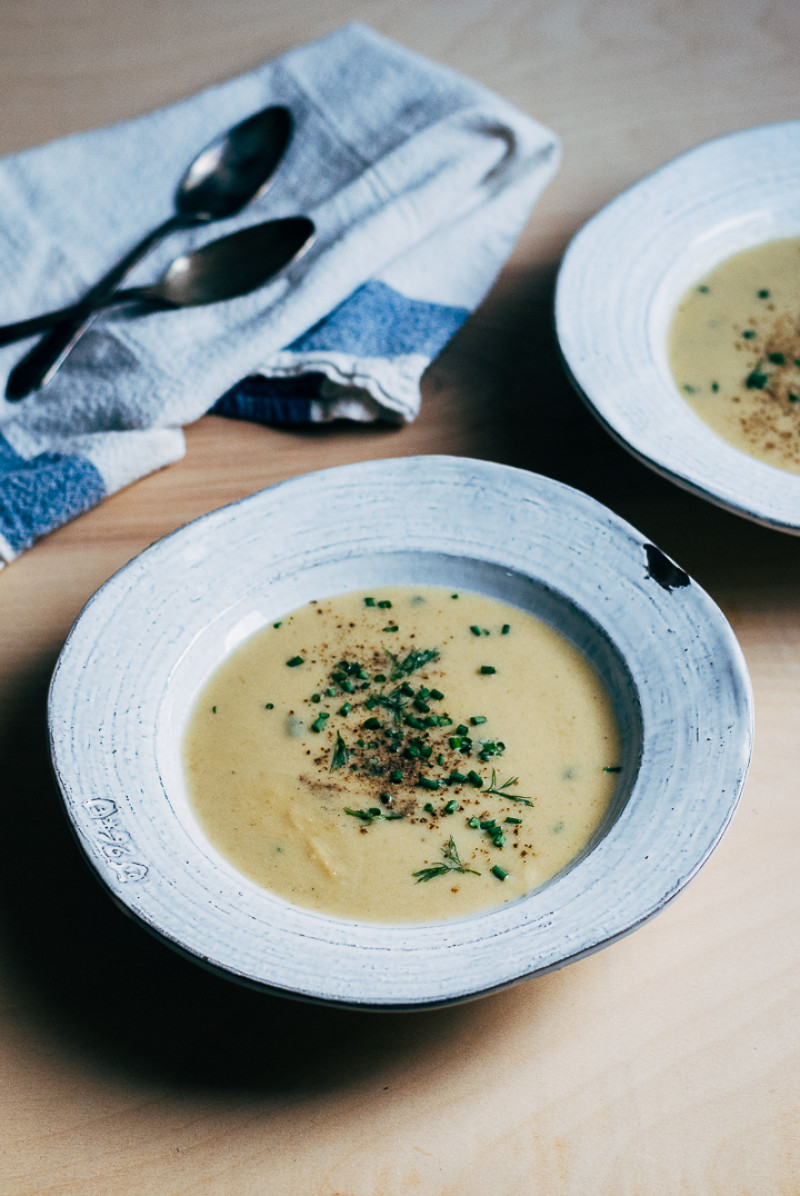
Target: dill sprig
(416,659)
(340,754)
(373,814)
(500,790)
(452,863)
(395,702)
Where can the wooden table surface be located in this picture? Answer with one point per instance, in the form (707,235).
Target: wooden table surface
(667,1063)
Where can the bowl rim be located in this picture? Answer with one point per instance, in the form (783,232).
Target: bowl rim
(108,705)
(617,285)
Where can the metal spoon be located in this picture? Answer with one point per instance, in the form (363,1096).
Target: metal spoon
(223,269)
(225,176)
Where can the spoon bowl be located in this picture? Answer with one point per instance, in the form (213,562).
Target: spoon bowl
(228,267)
(236,168)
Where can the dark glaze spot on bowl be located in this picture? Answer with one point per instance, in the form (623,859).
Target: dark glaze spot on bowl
(664,571)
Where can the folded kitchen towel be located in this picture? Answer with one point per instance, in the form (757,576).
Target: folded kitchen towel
(418,181)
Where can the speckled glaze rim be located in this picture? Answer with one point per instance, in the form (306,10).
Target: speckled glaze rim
(619,283)
(150,637)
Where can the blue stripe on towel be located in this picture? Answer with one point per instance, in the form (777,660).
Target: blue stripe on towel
(41,494)
(377,321)
(270,400)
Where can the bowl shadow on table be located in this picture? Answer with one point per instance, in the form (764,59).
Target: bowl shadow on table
(99,989)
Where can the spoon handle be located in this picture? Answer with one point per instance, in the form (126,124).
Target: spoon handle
(82,312)
(42,361)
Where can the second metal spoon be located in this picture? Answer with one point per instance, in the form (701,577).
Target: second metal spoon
(223,269)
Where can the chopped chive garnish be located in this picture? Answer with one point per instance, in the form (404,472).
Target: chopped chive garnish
(428,808)
(456,778)
(454,741)
(213,710)
(331,693)
(748,334)
(499,872)
(451,807)
(474,779)
(396,774)
(278,624)
(319,723)
(756,380)
(267,706)
(762,294)
(372,724)
(487,670)
(369,601)
(515,821)
(505,629)
(475,629)
(294,662)
(316,698)
(385,604)
(437,695)
(428,783)
(612,768)
(474,823)
(345,709)
(478,720)
(379,678)
(454,595)
(777,358)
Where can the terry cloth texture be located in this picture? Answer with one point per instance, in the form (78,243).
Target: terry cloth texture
(418,181)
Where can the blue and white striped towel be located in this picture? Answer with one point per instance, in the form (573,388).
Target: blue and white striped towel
(419,182)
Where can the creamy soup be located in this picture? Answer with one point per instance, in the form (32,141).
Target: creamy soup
(735,351)
(402,755)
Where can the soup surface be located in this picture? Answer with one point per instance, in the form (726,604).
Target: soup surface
(735,351)
(402,755)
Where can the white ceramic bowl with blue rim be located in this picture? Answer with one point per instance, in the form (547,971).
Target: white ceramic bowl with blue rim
(135,660)
(621,280)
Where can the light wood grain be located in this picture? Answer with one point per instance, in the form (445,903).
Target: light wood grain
(665,1064)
